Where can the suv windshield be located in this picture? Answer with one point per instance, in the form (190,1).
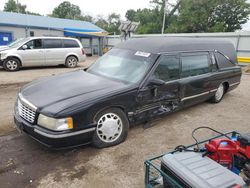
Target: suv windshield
(125,65)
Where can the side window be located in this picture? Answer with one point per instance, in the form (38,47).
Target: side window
(34,44)
(52,43)
(194,64)
(223,62)
(168,68)
(70,43)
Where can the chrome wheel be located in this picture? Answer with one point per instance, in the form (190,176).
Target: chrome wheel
(11,65)
(220,92)
(71,62)
(109,127)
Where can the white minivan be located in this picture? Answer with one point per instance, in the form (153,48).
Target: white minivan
(42,51)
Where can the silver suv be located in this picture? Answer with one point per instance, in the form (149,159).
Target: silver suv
(42,51)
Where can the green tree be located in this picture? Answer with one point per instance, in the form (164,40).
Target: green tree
(12,6)
(114,21)
(131,15)
(32,13)
(151,19)
(86,18)
(210,16)
(111,24)
(101,22)
(67,10)
(231,14)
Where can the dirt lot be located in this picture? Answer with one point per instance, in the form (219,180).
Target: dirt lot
(26,163)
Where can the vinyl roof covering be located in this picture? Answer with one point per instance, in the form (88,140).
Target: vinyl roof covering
(33,21)
(171,44)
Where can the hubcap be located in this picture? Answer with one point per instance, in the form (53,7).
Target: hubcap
(219,93)
(11,65)
(109,127)
(72,62)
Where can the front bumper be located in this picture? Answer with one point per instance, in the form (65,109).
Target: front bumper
(53,139)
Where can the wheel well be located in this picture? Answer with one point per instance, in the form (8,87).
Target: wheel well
(73,56)
(105,108)
(226,85)
(16,58)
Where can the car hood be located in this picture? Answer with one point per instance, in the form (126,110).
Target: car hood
(57,93)
(2,48)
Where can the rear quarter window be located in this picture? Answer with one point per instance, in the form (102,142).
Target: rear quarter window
(70,44)
(52,43)
(193,64)
(222,61)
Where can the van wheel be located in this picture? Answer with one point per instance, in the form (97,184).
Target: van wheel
(71,62)
(218,94)
(112,128)
(11,64)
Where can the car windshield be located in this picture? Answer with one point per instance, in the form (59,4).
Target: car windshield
(125,65)
(18,42)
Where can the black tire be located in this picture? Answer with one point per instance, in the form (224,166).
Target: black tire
(71,62)
(11,64)
(98,138)
(221,90)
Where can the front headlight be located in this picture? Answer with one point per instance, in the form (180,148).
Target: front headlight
(2,55)
(55,124)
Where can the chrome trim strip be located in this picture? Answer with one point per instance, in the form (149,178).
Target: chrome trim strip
(213,90)
(236,83)
(63,135)
(29,104)
(193,96)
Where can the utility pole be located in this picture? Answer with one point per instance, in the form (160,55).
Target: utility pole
(164,17)
(175,7)
(17,7)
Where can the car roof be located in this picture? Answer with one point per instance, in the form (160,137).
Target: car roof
(159,45)
(45,37)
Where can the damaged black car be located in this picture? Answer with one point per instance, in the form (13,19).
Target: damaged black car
(135,82)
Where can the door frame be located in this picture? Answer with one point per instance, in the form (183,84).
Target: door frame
(146,107)
(143,85)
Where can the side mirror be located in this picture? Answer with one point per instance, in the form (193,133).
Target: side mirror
(24,47)
(156,82)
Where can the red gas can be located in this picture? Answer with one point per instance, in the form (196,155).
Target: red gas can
(222,150)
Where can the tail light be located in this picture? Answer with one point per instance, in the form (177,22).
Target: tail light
(83,52)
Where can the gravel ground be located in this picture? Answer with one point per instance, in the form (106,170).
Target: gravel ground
(26,163)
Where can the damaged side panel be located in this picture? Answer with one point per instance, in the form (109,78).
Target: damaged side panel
(151,113)
(156,101)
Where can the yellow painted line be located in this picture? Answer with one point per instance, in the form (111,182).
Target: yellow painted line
(243,59)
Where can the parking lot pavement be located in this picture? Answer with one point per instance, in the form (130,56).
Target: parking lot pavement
(26,163)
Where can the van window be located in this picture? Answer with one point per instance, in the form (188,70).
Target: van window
(70,44)
(168,68)
(34,44)
(194,64)
(52,43)
(223,62)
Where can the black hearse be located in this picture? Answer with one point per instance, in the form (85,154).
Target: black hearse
(136,81)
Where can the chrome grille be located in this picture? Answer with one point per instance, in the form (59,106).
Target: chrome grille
(25,112)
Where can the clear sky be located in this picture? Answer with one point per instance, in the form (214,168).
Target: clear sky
(92,7)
